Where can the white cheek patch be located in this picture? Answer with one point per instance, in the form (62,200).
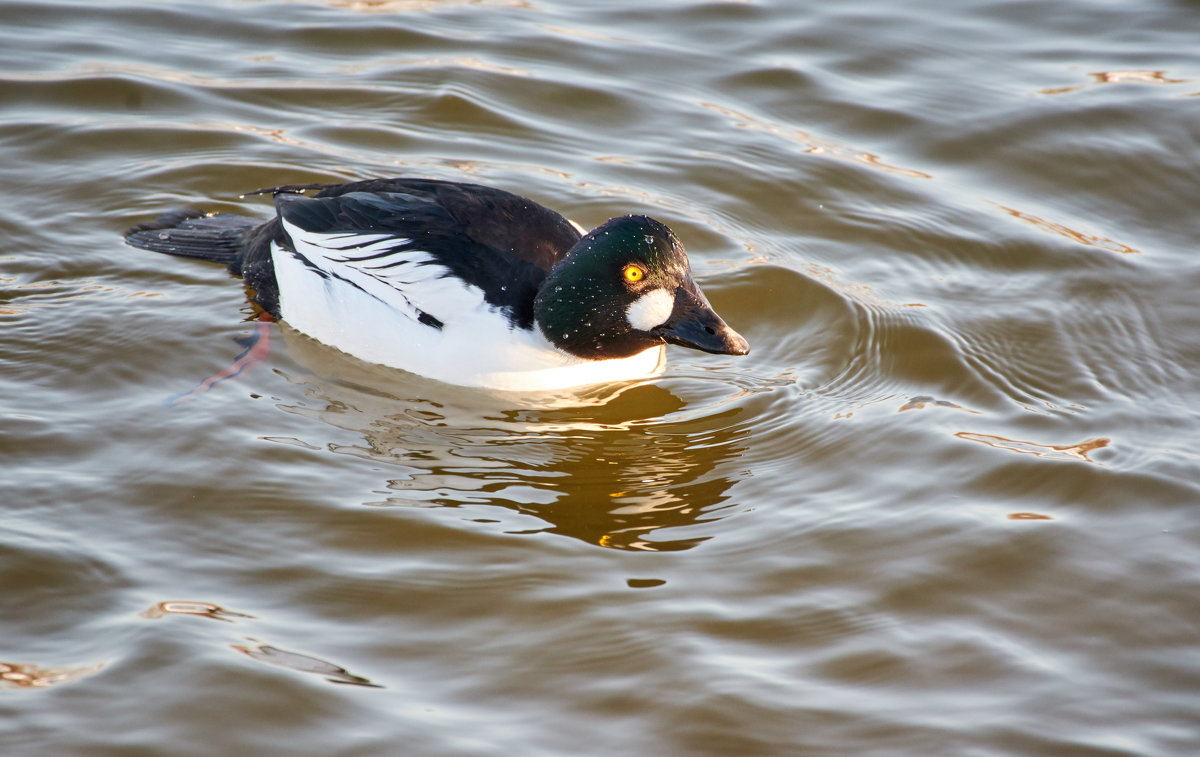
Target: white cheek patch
(651,309)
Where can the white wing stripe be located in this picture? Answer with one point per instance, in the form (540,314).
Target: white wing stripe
(413,283)
(356,240)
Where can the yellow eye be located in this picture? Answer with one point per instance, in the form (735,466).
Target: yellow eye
(634,273)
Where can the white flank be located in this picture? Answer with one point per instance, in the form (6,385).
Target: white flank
(369,309)
(651,309)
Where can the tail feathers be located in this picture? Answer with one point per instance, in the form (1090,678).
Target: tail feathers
(220,238)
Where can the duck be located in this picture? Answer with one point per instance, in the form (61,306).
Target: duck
(459,282)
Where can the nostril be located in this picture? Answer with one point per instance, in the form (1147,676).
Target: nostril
(710,330)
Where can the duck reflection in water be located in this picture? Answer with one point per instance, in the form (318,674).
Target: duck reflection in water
(616,466)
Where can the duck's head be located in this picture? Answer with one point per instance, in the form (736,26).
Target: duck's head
(625,287)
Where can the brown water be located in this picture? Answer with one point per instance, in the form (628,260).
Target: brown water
(949,505)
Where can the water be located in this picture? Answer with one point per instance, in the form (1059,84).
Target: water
(945,507)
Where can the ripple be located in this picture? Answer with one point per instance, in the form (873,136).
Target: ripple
(302,663)
(1076,452)
(195,609)
(1088,240)
(1131,76)
(810,144)
(20,675)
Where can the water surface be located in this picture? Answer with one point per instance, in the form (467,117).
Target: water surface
(945,507)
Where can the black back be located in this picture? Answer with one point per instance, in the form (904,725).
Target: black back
(500,242)
(495,240)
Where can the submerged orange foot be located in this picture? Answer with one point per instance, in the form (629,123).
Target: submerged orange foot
(257,347)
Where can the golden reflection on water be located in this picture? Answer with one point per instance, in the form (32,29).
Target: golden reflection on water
(1076,452)
(1128,76)
(612,485)
(45,293)
(1090,240)
(611,466)
(19,299)
(812,144)
(23,675)
(197,609)
(1134,76)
